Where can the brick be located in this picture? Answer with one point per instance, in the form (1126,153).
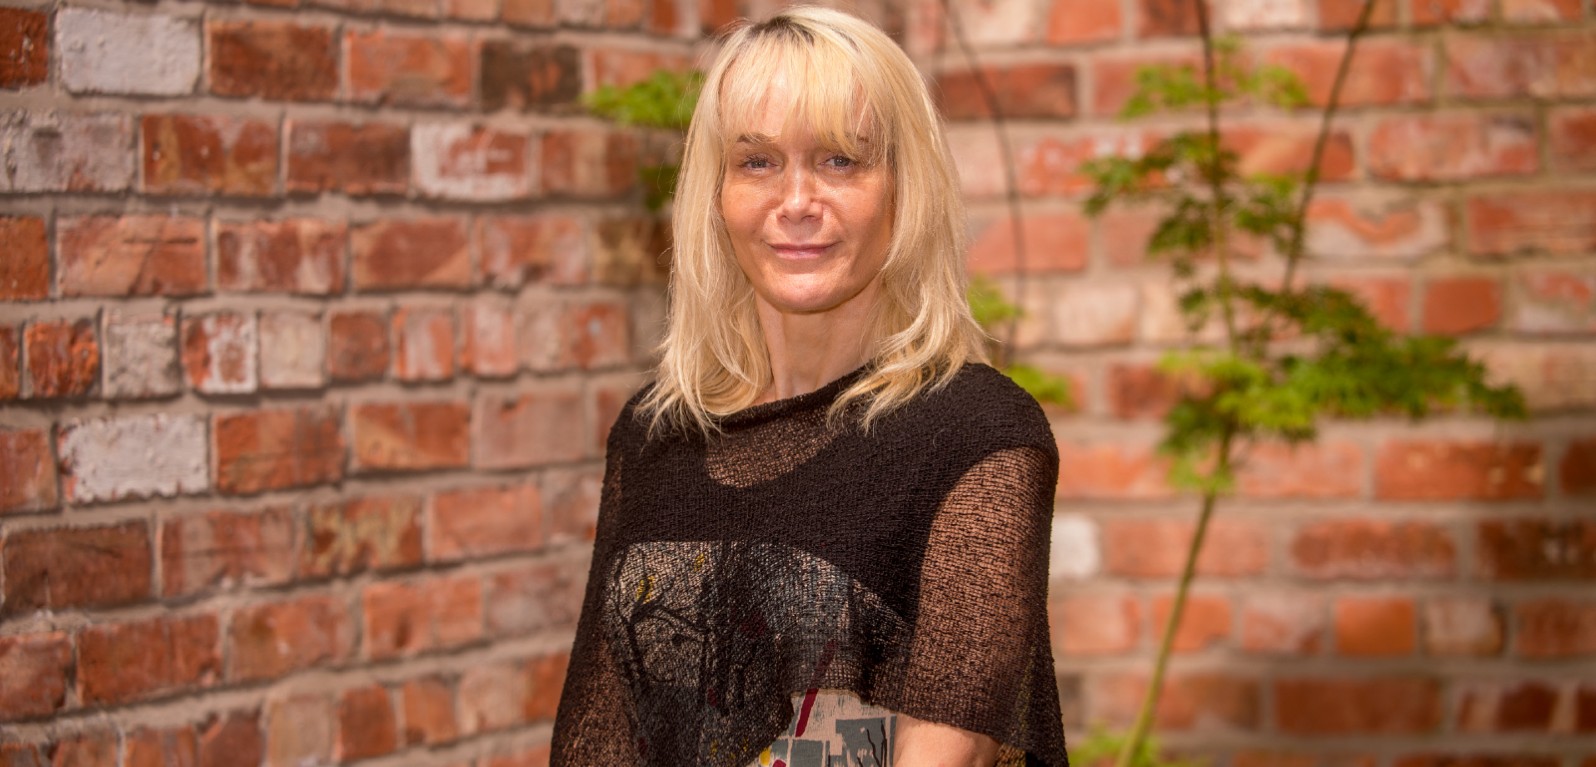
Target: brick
(144,54)
(1553,221)
(559,334)
(15,754)
(1550,65)
(10,363)
(60,569)
(1054,242)
(464,162)
(1375,227)
(1540,11)
(131,256)
(626,251)
(140,356)
(490,348)
(1552,376)
(153,748)
(357,346)
(428,706)
(1464,12)
(1021,91)
(27,471)
(366,724)
(1427,470)
(1052,166)
(299,730)
(588,164)
(1285,148)
(231,738)
(1577,470)
(95,748)
(372,533)
(609,397)
(220,352)
(528,13)
(358,159)
(1536,549)
(622,68)
(404,619)
(410,436)
(979,160)
(570,504)
(1341,15)
(271,640)
(276,449)
(1205,701)
(1082,21)
(138,456)
(1476,760)
(1099,314)
(539,425)
(24,47)
(299,255)
(537,77)
(1095,624)
(1114,77)
(1373,550)
(1157,548)
(1464,626)
(208,154)
(424,347)
(1166,18)
(1571,138)
(1553,627)
(1382,72)
(545,679)
(531,598)
(486,521)
(529,756)
(1585,715)
(518,250)
(1320,470)
(48,151)
(276,60)
(1458,305)
(33,675)
(400,254)
(1500,706)
(1283,623)
(1205,622)
(409,70)
(1250,15)
(1370,626)
(492,697)
(25,272)
(124,662)
(62,359)
(1357,706)
(1450,147)
(1110,471)
(293,350)
(1555,301)
(223,550)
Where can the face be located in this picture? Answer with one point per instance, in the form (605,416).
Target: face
(810,226)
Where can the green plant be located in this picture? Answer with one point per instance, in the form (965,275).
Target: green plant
(1101,745)
(664,102)
(1291,355)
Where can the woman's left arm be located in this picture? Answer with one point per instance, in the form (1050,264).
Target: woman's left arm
(930,744)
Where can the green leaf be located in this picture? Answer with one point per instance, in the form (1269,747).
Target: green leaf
(1045,387)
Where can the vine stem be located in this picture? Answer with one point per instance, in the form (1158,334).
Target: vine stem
(1214,175)
(1010,180)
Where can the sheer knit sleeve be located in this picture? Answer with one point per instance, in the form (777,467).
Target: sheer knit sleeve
(980,658)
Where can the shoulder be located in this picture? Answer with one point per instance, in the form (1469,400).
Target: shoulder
(631,424)
(984,404)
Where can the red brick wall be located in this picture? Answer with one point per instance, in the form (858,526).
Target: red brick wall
(314,317)
(1394,594)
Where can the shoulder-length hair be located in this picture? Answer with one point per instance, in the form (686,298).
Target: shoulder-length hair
(858,93)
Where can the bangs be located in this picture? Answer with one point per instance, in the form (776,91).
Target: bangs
(831,96)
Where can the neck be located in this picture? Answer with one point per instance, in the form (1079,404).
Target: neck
(808,351)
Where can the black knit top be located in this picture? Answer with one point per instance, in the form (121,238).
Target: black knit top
(907,565)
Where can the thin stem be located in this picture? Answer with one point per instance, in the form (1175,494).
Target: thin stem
(1011,182)
(1155,685)
(1214,174)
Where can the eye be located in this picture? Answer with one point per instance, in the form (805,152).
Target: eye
(755,162)
(839,162)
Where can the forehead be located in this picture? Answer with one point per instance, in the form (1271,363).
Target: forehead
(780,88)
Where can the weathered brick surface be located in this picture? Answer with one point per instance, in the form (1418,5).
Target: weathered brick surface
(362,534)
(410,436)
(225,549)
(485,521)
(353,158)
(519,76)
(272,639)
(35,671)
(293,352)
(399,254)
(410,618)
(27,464)
(1424,470)
(208,154)
(289,256)
(62,359)
(358,348)
(459,162)
(366,725)
(424,344)
(271,60)
(299,730)
(221,352)
(55,569)
(105,52)
(25,272)
(409,70)
(132,255)
(127,661)
(67,151)
(140,356)
(274,449)
(544,425)
(24,47)
(135,456)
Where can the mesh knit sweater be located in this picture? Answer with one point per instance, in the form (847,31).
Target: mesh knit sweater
(908,566)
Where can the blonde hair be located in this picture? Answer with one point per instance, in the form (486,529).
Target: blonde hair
(850,75)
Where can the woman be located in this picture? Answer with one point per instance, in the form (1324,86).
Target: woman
(824,526)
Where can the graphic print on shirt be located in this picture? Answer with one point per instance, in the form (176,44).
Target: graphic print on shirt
(702,653)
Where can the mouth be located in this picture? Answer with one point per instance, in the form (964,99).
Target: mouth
(800,251)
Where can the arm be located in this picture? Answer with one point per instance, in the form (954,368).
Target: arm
(929,744)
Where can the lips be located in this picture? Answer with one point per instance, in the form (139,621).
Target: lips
(800,250)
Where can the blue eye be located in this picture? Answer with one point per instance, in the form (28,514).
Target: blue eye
(756,163)
(839,161)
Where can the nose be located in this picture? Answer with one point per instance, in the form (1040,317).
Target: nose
(798,193)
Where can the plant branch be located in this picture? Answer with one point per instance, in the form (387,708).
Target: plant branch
(1011,182)
(1214,175)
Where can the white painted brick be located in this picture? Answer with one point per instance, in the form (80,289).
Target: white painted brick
(293,350)
(141,356)
(1001,22)
(44,151)
(979,159)
(1095,314)
(103,52)
(1076,553)
(458,161)
(111,459)
(1263,14)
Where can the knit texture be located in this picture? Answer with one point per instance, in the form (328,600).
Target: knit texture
(907,565)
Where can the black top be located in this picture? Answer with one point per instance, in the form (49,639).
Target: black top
(907,565)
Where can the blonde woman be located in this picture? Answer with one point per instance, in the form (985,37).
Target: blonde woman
(824,526)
